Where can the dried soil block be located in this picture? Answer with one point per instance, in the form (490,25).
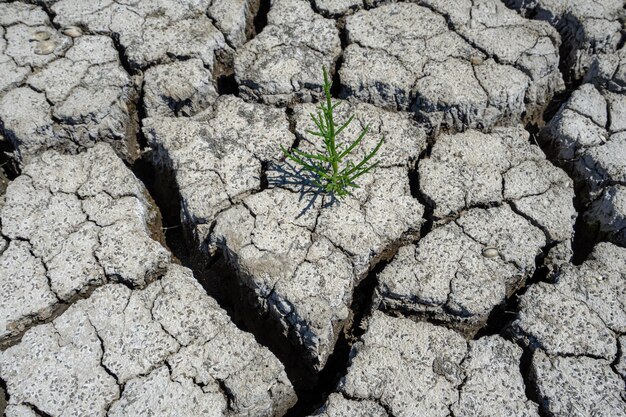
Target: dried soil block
(62,92)
(574,327)
(283,64)
(298,254)
(71,223)
(497,203)
(404,368)
(165,350)
(587,28)
(159,32)
(457,64)
(588,138)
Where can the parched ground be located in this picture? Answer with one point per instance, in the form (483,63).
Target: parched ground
(159,255)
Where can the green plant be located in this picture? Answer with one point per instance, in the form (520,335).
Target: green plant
(328,168)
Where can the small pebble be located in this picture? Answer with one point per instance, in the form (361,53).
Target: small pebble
(72,31)
(490,252)
(41,35)
(476,60)
(45,47)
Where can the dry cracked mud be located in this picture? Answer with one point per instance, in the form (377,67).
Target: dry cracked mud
(160,256)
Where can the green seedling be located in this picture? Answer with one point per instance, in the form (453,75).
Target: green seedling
(331,173)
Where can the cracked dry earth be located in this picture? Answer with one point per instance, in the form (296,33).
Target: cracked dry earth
(159,257)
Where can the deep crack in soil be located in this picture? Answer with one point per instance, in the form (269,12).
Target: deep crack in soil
(313,393)
(4,396)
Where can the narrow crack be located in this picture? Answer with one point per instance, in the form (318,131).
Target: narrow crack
(227,393)
(336,90)
(4,396)
(416,192)
(36,410)
(260,19)
(224,73)
(530,386)
(378,401)
(102,347)
(313,392)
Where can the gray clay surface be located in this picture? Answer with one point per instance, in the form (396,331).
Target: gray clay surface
(496,203)
(70,223)
(588,138)
(160,255)
(574,328)
(416,368)
(286,247)
(166,349)
(63,93)
(452,62)
(283,63)
(588,28)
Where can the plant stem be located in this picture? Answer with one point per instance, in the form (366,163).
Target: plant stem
(331,125)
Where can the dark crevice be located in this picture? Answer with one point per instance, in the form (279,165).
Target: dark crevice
(226,392)
(224,73)
(416,192)
(260,20)
(4,396)
(164,192)
(314,391)
(264,181)
(336,89)
(568,47)
(618,357)
(9,168)
(139,115)
(121,51)
(622,40)
(136,109)
(586,236)
(49,12)
(528,375)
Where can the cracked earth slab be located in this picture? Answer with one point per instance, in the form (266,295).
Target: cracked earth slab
(286,242)
(457,64)
(60,89)
(156,32)
(575,327)
(118,352)
(181,88)
(70,223)
(406,368)
(588,138)
(497,202)
(283,63)
(588,28)
(609,71)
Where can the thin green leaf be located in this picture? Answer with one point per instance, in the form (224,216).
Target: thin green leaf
(344,125)
(355,143)
(363,171)
(366,159)
(318,157)
(310,132)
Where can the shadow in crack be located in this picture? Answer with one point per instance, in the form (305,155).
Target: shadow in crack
(4,397)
